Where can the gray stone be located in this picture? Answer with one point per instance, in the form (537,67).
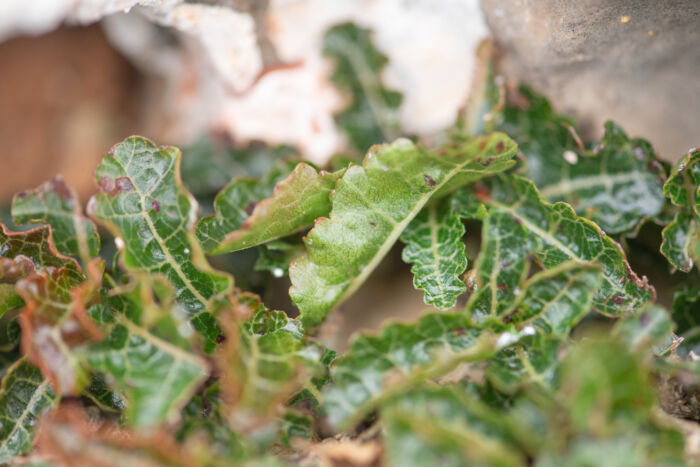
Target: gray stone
(634,61)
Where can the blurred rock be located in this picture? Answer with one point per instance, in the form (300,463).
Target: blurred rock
(633,61)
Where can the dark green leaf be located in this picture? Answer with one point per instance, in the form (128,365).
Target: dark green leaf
(521,225)
(685,311)
(55,204)
(275,257)
(434,248)
(372,205)
(143,203)
(681,238)
(24,397)
(617,184)
(373,114)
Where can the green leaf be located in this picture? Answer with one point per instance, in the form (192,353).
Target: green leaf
(434,248)
(519,224)
(24,397)
(55,204)
(444,426)
(684,310)
(373,114)
(293,206)
(401,357)
(208,165)
(53,324)
(143,203)
(155,377)
(266,359)
(650,326)
(533,360)
(617,184)
(275,257)
(681,238)
(372,204)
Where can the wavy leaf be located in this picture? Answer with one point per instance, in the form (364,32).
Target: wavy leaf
(295,203)
(143,203)
(616,184)
(519,225)
(435,249)
(156,377)
(372,204)
(681,238)
(24,397)
(55,204)
(373,114)
(263,363)
(53,324)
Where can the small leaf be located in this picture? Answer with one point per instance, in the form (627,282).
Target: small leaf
(372,205)
(373,114)
(533,360)
(296,202)
(681,238)
(684,310)
(651,325)
(55,204)
(25,396)
(434,248)
(275,257)
(519,224)
(143,203)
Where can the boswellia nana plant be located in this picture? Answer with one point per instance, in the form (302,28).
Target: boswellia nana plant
(546,349)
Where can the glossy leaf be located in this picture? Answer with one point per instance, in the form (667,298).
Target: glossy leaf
(24,397)
(53,324)
(276,256)
(434,248)
(400,357)
(617,184)
(142,202)
(519,225)
(371,206)
(532,361)
(373,113)
(55,204)
(295,203)
(681,238)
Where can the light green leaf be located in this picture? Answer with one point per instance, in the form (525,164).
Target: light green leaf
(681,238)
(143,203)
(372,204)
(296,202)
(373,114)
(55,204)
(435,249)
(616,184)
(532,361)
(24,397)
(519,225)
(401,357)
